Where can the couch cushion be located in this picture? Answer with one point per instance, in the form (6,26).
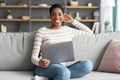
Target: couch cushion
(29,75)
(92,46)
(99,76)
(93,76)
(16,75)
(15,51)
(111,59)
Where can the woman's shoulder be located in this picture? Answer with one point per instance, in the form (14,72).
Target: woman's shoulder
(42,29)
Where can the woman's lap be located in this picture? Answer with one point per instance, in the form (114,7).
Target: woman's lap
(75,70)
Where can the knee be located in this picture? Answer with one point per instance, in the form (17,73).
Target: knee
(37,70)
(88,66)
(64,72)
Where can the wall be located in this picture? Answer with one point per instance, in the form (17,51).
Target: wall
(42,13)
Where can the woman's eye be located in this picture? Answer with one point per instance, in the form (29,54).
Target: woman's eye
(60,14)
(53,15)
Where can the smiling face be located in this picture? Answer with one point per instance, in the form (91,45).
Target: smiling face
(57,17)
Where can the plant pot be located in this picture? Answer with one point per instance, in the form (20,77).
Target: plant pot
(108,28)
(74,3)
(9,17)
(2,4)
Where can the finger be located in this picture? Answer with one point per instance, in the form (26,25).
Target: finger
(47,62)
(45,65)
(44,60)
(65,15)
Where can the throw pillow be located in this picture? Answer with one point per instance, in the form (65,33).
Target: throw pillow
(111,59)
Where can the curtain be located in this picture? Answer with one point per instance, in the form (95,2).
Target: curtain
(106,14)
(117,17)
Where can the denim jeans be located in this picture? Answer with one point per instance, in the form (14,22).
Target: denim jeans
(60,72)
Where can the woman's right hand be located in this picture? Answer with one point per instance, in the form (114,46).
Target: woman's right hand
(44,63)
(68,18)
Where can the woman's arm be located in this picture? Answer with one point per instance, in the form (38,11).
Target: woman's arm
(83,29)
(36,48)
(36,60)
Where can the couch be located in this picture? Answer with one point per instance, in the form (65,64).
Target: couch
(16,48)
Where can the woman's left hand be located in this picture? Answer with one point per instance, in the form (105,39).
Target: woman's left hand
(44,63)
(68,18)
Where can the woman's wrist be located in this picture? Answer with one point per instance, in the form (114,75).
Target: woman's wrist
(74,22)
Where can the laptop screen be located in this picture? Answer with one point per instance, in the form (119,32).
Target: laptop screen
(59,52)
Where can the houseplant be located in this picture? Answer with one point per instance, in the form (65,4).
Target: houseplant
(3,2)
(108,27)
(9,14)
(107,23)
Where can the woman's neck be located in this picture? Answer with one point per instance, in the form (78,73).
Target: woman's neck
(54,27)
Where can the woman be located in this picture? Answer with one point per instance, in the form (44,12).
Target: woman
(54,34)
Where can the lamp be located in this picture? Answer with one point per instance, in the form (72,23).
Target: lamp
(107,3)
(96,15)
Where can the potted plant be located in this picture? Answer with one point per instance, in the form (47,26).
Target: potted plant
(22,3)
(107,23)
(108,27)
(9,14)
(74,2)
(3,2)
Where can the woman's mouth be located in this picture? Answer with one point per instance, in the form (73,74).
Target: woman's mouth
(57,21)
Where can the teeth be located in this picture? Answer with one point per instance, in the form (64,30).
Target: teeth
(57,21)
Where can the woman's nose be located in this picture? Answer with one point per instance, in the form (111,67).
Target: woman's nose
(56,16)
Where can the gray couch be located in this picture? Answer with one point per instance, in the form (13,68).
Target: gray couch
(16,48)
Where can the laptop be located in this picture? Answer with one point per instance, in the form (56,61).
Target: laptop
(59,52)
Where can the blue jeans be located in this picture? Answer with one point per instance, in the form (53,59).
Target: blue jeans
(60,72)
